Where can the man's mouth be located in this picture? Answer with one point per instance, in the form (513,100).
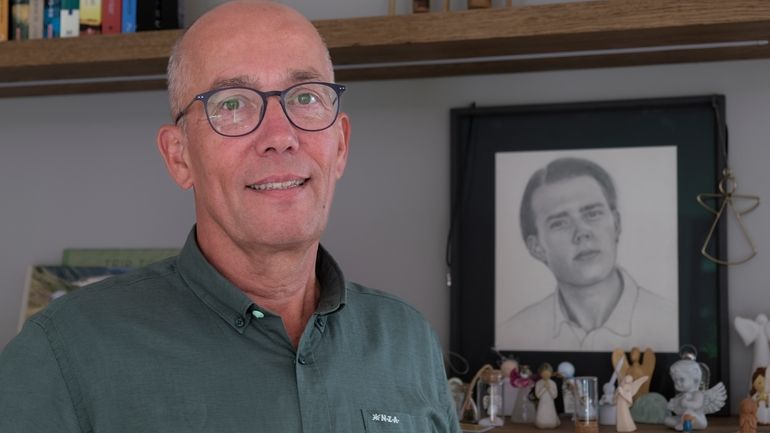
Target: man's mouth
(587,254)
(277,186)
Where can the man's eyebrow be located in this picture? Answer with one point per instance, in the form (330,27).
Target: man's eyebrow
(296,76)
(592,206)
(299,76)
(240,81)
(556,216)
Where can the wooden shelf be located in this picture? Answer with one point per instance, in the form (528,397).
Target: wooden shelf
(600,33)
(728,424)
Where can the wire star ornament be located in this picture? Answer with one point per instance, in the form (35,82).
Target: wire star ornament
(727,188)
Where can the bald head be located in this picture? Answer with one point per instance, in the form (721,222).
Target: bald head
(245,40)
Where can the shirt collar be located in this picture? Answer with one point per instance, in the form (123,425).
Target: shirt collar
(619,321)
(231,304)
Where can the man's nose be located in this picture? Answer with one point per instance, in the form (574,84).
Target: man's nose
(276,133)
(582,231)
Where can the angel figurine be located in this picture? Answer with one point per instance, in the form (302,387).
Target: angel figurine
(691,400)
(624,398)
(755,332)
(639,365)
(760,385)
(546,392)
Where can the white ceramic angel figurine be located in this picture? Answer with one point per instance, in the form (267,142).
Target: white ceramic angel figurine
(546,392)
(691,401)
(755,331)
(759,393)
(624,398)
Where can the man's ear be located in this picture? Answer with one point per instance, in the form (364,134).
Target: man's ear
(172,147)
(535,249)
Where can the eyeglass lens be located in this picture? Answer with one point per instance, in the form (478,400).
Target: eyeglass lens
(238,111)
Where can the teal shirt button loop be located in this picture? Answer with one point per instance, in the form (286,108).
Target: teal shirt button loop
(257,314)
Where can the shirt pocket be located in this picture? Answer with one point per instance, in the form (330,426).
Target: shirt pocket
(383,421)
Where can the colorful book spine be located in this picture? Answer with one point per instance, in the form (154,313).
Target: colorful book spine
(69,22)
(4,22)
(90,17)
(36,8)
(111,16)
(52,19)
(128,17)
(19,19)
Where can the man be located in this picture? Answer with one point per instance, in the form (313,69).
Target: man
(252,327)
(570,222)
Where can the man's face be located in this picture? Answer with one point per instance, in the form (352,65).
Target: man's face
(577,232)
(273,187)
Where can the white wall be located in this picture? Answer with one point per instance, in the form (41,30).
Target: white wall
(82,171)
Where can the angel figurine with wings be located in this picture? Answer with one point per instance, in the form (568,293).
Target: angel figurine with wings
(638,366)
(692,400)
(624,398)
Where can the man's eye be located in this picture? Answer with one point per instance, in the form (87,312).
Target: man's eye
(306,98)
(594,214)
(231,104)
(557,224)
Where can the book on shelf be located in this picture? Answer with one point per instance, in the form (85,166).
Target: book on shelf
(90,17)
(52,19)
(4,21)
(36,18)
(47,283)
(116,257)
(128,16)
(19,19)
(69,19)
(111,20)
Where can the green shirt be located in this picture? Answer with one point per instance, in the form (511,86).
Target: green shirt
(175,347)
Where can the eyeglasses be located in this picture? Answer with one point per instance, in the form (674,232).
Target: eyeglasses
(238,111)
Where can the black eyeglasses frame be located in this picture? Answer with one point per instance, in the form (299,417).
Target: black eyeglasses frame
(204,97)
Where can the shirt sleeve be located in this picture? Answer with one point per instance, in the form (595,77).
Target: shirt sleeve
(34,396)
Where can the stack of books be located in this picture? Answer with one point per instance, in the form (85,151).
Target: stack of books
(38,19)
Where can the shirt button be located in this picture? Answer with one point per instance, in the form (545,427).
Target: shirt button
(320,323)
(239,322)
(301,360)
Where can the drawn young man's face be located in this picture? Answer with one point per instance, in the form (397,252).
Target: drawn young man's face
(577,232)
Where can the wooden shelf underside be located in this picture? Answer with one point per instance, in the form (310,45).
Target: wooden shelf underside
(591,34)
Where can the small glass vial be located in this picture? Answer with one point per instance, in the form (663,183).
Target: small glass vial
(586,404)
(489,391)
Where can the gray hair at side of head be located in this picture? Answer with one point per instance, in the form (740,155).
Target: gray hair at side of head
(176,74)
(558,170)
(687,366)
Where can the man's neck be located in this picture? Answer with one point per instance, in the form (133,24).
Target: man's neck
(591,306)
(280,281)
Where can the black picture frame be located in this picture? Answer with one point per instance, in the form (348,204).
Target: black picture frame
(694,124)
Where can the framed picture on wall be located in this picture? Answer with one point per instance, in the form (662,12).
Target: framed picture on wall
(576,231)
